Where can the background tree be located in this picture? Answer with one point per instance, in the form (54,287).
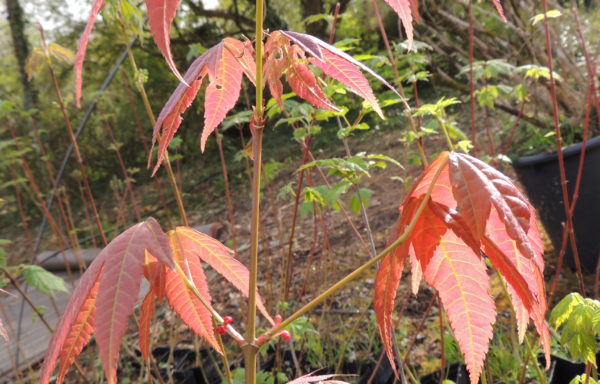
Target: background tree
(21,48)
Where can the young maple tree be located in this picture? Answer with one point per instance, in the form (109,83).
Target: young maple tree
(459,213)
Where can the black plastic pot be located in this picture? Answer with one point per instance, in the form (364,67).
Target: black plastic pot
(562,371)
(540,176)
(455,372)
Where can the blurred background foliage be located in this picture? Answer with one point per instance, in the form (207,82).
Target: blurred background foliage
(437,66)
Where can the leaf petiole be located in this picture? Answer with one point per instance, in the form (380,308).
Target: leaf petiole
(192,287)
(360,270)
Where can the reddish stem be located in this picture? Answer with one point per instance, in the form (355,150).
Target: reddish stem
(126,176)
(504,147)
(22,215)
(73,140)
(288,260)
(471,80)
(38,195)
(561,160)
(140,131)
(86,212)
(227,190)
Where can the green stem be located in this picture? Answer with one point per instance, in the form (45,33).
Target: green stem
(540,374)
(250,348)
(446,134)
(359,271)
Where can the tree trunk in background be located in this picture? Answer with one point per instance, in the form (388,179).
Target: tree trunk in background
(21,47)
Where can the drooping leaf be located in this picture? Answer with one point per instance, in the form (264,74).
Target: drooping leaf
(387,281)
(44,281)
(110,287)
(414,8)
(154,272)
(224,88)
(219,257)
(460,277)
(147,311)
(498,6)
(446,246)
(477,186)
(225,63)
(80,333)
(404,9)
(170,118)
(275,64)
(502,250)
(304,84)
(120,286)
(184,302)
(160,17)
(3,333)
(442,190)
(80,296)
(346,72)
(340,66)
(81,48)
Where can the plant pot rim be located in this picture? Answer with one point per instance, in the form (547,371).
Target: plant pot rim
(569,151)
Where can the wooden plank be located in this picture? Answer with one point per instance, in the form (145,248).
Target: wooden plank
(34,334)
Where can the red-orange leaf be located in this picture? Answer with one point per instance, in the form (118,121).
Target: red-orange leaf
(414,8)
(530,271)
(498,6)
(224,88)
(169,118)
(115,276)
(219,257)
(275,65)
(460,277)
(404,9)
(304,84)
(119,289)
(477,186)
(76,302)
(472,207)
(146,310)
(154,272)
(80,334)
(340,66)
(160,17)
(442,190)
(184,302)
(3,332)
(225,63)
(81,48)
(388,278)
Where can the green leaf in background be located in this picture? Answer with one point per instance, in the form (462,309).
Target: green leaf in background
(577,318)
(365,196)
(551,14)
(44,281)
(3,242)
(583,379)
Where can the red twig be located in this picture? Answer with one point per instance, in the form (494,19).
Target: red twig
(230,212)
(561,160)
(471,81)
